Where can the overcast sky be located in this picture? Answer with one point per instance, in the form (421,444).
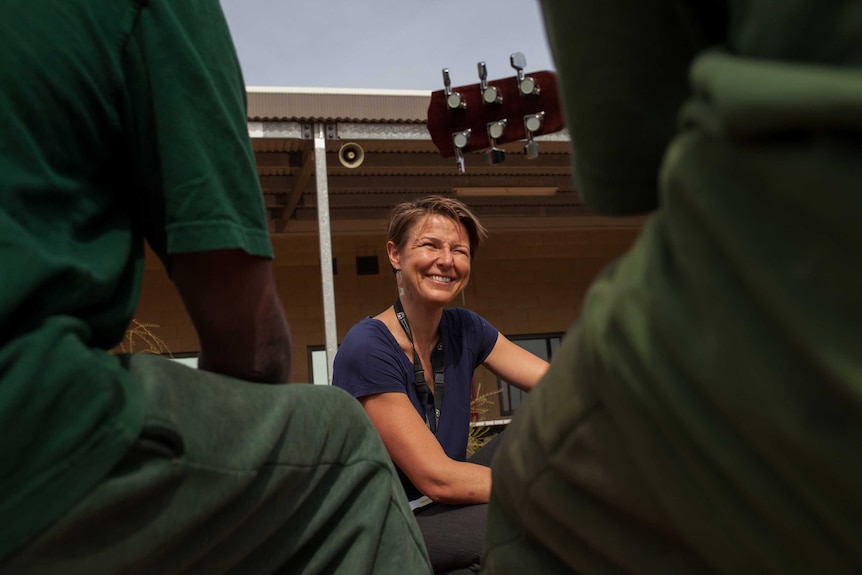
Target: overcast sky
(383,44)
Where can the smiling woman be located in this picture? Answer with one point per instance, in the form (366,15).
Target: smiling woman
(411,367)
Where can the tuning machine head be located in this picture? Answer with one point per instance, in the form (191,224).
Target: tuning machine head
(490,94)
(459,142)
(454,100)
(495,155)
(532,124)
(527,85)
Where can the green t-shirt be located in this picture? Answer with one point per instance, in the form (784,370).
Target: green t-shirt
(122,121)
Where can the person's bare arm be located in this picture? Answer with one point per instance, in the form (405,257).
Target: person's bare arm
(413,447)
(233,304)
(515,365)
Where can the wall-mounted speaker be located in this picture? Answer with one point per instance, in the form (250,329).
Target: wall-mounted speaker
(351,155)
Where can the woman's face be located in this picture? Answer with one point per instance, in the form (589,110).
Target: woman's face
(435,259)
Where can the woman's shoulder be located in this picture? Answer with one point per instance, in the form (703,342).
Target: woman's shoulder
(368,327)
(460,317)
(367,334)
(460,314)
(369,360)
(468,326)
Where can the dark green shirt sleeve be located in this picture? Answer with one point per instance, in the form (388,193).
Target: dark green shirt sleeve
(195,171)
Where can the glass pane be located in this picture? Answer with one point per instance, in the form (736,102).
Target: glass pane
(319,371)
(555,344)
(537,346)
(544,347)
(189,361)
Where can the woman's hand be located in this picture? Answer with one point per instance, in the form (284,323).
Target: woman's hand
(413,447)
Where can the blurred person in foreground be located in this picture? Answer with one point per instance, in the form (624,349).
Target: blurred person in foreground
(411,367)
(124,121)
(705,415)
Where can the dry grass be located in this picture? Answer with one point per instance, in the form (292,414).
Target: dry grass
(139,338)
(479,436)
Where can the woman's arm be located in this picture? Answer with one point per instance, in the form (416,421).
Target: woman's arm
(413,447)
(515,364)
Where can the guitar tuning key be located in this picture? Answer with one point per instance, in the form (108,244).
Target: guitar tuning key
(459,161)
(532,124)
(495,155)
(531,148)
(453,99)
(490,94)
(527,85)
(460,141)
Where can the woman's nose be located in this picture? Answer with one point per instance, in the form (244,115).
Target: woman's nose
(445,257)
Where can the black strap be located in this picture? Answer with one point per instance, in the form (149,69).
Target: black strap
(422,389)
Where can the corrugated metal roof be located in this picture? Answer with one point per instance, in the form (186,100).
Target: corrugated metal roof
(337,105)
(400,162)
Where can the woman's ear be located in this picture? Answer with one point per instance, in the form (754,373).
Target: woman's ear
(394,256)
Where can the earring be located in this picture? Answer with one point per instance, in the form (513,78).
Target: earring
(398,282)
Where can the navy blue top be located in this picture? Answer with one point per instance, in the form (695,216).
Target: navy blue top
(370,361)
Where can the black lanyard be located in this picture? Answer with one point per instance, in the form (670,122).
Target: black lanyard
(422,389)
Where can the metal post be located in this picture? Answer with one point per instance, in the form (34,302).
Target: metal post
(322,182)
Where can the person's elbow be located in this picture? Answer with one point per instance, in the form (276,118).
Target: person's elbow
(441,487)
(262,356)
(438,492)
(273,368)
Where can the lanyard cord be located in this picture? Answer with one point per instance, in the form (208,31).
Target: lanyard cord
(422,389)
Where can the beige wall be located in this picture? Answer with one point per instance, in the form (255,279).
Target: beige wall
(522,282)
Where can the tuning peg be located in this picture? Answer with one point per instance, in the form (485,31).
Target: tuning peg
(490,94)
(495,155)
(460,141)
(495,130)
(531,149)
(527,85)
(532,124)
(453,99)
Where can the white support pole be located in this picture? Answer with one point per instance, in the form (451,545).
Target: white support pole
(326,276)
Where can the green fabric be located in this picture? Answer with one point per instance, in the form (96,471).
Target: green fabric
(706,414)
(120,120)
(256,486)
(623,76)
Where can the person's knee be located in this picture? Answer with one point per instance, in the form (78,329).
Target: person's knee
(348,427)
(342,405)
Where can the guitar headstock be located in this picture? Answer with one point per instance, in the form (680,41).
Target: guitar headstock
(484,115)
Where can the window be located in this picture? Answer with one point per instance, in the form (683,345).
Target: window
(367,266)
(543,346)
(189,359)
(317,368)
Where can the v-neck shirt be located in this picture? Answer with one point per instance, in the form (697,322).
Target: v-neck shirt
(371,361)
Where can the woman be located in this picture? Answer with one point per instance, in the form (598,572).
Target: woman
(385,362)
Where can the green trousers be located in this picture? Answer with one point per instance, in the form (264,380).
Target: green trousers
(233,477)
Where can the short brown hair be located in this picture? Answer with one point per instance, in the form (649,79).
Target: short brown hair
(408,213)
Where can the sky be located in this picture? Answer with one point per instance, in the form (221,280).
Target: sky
(383,44)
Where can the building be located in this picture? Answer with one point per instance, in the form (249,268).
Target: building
(544,247)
